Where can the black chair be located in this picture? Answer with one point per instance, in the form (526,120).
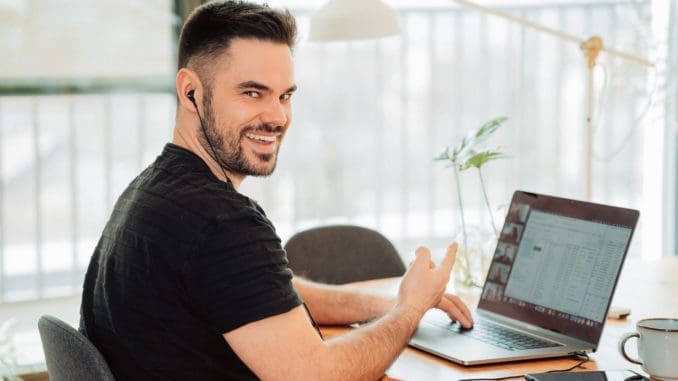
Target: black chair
(69,354)
(342,254)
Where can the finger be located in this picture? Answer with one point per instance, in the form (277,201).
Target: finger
(423,254)
(461,305)
(449,259)
(454,312)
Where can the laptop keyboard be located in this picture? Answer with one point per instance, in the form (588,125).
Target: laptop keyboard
(494,334)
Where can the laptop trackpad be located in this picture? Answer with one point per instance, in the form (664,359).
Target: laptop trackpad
(450,345)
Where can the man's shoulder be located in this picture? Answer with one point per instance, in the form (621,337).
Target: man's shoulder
(175,205)
(181,179)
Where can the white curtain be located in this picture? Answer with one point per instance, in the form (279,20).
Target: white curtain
(369,117)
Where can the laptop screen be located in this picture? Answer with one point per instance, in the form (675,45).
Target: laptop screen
(557,263)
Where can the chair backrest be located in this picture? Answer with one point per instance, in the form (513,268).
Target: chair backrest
(69,354)
(342,254)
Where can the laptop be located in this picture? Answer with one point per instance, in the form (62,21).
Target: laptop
(548,288)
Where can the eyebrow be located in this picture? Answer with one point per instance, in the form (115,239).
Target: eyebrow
(262,87)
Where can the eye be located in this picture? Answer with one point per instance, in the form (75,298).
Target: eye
(252,94)
(286,97)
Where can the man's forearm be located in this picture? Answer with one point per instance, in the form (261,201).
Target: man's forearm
(331,304)
(285,347)
(366,353)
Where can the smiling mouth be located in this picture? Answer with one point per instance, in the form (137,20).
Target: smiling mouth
(262,138)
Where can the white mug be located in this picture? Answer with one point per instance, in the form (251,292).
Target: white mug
(657,347)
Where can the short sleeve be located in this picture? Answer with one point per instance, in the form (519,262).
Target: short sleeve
(239,273)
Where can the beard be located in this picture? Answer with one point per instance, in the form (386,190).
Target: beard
(227,149)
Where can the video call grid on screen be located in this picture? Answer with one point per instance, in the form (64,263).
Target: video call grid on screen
(557,262)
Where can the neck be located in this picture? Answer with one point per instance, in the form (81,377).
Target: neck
(183,137)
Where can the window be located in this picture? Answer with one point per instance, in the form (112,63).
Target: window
(87,100)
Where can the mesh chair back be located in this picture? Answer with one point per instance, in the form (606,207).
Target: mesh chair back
(69,354)
(342,254)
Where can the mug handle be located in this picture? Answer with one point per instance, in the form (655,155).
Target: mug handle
(622,342)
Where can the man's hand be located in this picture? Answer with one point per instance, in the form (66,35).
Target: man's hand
(423,285)
(425,276)
(285,346)
(456,309)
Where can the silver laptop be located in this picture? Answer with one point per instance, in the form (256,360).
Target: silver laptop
(549,286)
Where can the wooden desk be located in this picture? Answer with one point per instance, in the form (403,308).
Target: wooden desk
(649,288)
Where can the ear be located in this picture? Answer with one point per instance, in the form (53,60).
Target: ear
(186,81)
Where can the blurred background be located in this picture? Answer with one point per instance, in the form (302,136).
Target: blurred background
(87,101)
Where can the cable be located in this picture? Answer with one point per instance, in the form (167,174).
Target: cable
(315,325)
(191,97)
(583,356)
(209,142)
(492,379)
(636,122)
(602,98)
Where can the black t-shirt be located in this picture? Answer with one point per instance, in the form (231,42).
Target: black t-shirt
(183,259)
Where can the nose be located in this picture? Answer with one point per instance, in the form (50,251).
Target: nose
(276,114)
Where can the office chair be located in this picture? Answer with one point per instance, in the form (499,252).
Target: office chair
(69,354)
(342,254)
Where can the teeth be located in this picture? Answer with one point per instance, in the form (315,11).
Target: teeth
(262,138)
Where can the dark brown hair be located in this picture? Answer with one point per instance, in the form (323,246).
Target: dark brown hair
(208,31)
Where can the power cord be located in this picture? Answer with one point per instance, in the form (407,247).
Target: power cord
(582,356)
(637,122)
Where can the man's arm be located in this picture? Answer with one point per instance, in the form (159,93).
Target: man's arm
(341,305)
(338,304)
(286,346)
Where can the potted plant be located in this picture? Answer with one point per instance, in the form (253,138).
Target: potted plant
(8,362)
(471,152)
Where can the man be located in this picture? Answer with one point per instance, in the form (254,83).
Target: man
(189,280)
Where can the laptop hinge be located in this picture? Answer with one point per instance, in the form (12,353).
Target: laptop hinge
(535,330)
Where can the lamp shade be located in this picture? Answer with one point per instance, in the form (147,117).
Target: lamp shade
(353,20)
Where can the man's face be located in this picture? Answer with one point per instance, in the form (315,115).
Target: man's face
(248,105)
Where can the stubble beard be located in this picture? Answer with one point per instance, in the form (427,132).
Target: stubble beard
(228,150)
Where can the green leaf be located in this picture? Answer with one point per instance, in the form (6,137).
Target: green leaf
(488,128)
(443,155)
(480,158)
(467,148)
